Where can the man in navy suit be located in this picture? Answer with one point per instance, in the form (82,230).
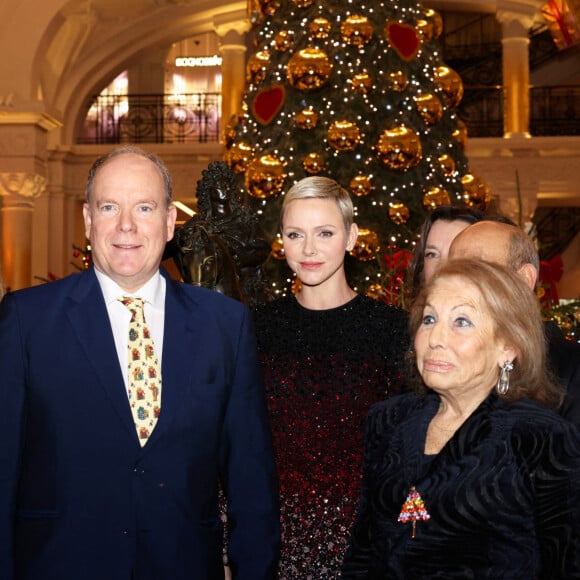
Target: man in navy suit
(81,498)
(506,244)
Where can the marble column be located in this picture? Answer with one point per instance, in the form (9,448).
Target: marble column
(18,192)
(516,18)
(231,29)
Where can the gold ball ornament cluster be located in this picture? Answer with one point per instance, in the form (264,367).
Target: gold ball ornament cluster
(309,69)
(435,197)
(357,30)
(257,67)
(306,119)
(399,148)
(366,246)
(320,28)
(398,81)
(238,156)
(343,135)
(476,192)
(429,107)
(277,248)
(362,83)
(268,7)
(284,40)
(447,164)
(460,133)
(450,84)
(265,176)
(313,163)
(361,185)
(399,213)
(430,25)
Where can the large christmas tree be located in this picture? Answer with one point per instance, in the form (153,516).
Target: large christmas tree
(356,91)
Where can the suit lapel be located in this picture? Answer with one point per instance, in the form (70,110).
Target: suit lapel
(180,335)
(89,318)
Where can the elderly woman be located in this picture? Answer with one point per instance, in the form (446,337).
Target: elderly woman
(474,476)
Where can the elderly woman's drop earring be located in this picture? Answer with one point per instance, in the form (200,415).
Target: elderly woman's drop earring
(503,385)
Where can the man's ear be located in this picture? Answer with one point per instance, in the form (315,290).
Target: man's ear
(529,274)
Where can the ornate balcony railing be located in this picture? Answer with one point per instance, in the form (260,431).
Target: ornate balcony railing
(187,118)
(554,111)
(195,118)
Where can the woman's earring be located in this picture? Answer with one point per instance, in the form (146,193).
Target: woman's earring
(503,385)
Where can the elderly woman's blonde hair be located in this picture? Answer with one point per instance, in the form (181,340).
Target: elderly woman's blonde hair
(316,187)
(517,320)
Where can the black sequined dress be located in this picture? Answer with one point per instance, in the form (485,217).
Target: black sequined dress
(323,370)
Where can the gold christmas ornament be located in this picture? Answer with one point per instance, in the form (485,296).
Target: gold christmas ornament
(429,107)
(397,81)
(362,83)
(366,246)
(277,248)
(361,185)
(306,119)
(430,26)
(268,7)
(399,148)
(303,3)
(450,84)
(476,192)
(357,30)
(309,69)
(313,163)
(296,286)
(230,133)
(320,28)
(257,67)
(283,40)
(447,164)
(377,292)
(398,213)
(238,156)
(343,135)
(265,177)
(435,197)
(460,134)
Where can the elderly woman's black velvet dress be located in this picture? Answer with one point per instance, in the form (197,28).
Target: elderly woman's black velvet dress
(503,495)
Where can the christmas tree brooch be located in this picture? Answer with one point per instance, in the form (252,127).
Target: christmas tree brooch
(413,510)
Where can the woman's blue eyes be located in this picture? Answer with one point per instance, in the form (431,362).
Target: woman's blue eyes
(323,234)
(460,321)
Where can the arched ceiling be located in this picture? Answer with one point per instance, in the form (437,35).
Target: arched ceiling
(88,43)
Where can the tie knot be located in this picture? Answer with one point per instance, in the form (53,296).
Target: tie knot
(135,305)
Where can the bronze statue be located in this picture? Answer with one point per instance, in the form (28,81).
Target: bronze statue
(232,231)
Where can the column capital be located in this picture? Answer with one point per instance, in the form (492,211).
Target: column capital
(22,185)
(516,16)
(232,24)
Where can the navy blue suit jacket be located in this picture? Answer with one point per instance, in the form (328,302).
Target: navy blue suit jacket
(79,497)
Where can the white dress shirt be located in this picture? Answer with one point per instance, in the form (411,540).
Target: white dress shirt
(153,295)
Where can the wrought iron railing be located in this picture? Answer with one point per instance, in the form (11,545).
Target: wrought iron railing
(554,111)
(195,118)
(186,118)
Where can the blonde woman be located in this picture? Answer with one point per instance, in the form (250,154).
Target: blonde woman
(328,353)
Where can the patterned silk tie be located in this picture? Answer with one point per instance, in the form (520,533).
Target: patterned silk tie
(144,377)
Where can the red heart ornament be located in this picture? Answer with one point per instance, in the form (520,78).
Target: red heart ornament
(268,103)
(404,39)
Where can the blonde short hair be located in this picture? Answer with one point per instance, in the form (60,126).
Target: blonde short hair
(316,187)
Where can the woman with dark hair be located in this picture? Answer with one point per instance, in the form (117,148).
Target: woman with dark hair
(474,475)
(438,231)
(328,354)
